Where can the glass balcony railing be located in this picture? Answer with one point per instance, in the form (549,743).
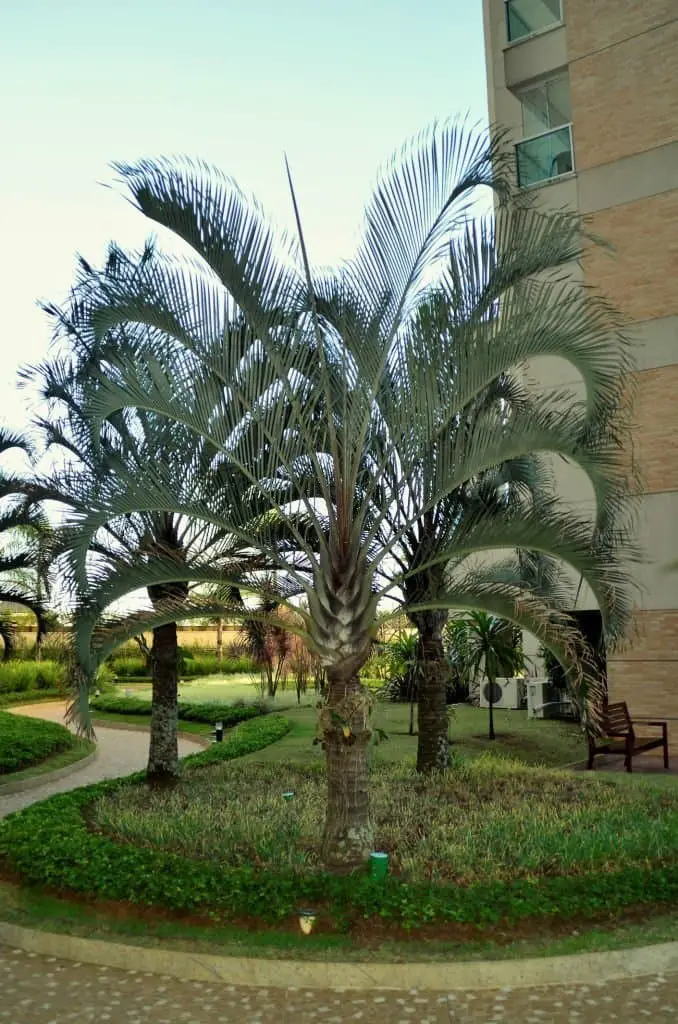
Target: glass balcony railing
(523,17)
(545,156)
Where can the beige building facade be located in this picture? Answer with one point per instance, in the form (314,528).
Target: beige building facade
(589,92)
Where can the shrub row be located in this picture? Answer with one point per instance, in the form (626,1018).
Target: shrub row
(26,741)
(21,676)
(229,714)
(49,844)
(28,696)
(190,666)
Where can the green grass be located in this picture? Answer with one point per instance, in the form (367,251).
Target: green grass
(27,741)
(32,908)
(535,742)
(239,686)
(80,749)
(486,820)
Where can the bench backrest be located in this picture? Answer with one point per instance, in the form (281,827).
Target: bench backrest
(616,720)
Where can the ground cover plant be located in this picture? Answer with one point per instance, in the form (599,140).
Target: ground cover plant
(486,820)
(27,741)
(489,844)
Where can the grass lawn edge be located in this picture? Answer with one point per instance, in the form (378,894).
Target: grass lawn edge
(44,924)
(57,766)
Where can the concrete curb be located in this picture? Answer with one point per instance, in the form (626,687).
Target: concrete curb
(579,969)
(102,723)
(35,781)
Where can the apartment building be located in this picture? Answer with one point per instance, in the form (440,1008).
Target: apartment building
(589,91)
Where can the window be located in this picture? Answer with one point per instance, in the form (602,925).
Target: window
(523,17)
(546,150)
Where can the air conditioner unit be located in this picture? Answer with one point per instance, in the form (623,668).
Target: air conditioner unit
(539,696)
(507,693)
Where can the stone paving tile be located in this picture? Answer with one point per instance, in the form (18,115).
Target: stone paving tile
(44,990)
(120,752)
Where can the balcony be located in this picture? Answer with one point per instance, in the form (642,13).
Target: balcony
(525,17)
(545,157)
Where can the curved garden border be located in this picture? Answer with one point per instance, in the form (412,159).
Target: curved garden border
(35,781)
(575,969)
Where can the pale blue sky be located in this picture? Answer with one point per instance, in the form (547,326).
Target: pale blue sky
(337,86)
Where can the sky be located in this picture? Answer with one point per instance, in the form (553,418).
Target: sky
(240,83)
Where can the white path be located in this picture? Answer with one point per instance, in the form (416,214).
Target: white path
(120,752)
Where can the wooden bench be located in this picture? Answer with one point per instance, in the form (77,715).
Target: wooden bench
(618,736)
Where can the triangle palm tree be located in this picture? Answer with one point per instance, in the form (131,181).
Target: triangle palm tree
(295,376)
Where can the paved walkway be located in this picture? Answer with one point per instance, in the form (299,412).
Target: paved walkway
(120,752)
(44,990)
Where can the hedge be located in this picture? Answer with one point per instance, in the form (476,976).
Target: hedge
(27,741)
(50,844)
(28,696)
(229,714)
(23,676)
(192,666)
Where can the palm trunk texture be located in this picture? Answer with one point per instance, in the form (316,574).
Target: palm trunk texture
(432,744)
(348,837)
(163,754)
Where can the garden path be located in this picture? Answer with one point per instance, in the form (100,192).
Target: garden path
(120,752)
(43,990)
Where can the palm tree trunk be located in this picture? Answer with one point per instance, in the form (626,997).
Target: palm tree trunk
(163,755)
(432,673)
(491,705)
(220,642)
(347,839)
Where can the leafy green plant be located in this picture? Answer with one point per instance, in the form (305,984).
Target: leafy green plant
(25,676)
(26,741)
(505,874)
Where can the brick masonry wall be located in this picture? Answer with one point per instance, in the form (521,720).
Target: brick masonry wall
(639,276)
(594,25)
(646,675)
(625,97)
(655,417)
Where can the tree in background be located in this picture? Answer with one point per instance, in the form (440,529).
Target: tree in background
(493,651)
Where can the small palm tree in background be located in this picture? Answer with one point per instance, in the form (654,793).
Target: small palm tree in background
(493,651)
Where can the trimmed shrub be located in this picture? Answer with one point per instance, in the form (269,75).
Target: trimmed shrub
(191,666)
(27,741)
(22,676)
(229,714)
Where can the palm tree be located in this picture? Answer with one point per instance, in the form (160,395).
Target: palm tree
(25,552)
(136,539)
(310,386)
(492,651)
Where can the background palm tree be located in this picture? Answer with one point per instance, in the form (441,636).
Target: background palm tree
(296,377)
(492,650)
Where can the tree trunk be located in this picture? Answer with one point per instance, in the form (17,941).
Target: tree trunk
(344,720)
(491,704)
(432,673)
(220,642)
(163,755)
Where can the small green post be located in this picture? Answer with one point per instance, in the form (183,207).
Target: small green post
(289,795)
(378,865)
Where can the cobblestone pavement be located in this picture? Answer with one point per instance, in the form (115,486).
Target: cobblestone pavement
(120,752)
(43,990)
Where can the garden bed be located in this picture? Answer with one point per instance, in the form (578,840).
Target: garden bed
(492,848)
(25,742)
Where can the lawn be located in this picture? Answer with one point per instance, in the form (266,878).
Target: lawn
(532,741)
